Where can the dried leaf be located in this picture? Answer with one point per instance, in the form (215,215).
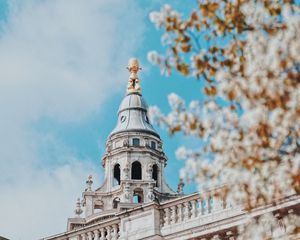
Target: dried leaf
(183,68)
(210,91)
(186,48)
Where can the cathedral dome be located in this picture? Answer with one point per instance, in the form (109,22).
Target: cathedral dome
(132,115)
(133,101)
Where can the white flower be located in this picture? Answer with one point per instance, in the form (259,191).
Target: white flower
(153,57)
(156,18)
(194,105)
(154,114)
(181,153)
(175,101)
(250,144)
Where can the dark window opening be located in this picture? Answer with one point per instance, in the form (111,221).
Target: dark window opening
(136,170)
(153,145)
(138,196)
(136,142)
(116,202)
(117,175)
(155,174)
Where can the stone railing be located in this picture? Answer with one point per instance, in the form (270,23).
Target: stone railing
(106,230)
(102,233)
(190,207)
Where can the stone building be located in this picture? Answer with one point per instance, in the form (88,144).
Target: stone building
(135,202)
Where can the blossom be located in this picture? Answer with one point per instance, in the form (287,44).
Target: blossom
(153,57)
(249,121)
(175,101)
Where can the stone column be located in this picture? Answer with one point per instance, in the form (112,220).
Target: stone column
(96,235)
(194,208)
(83,236)
(167,216)
(186,211)
(209,204)
(115,234)
(173,214)
(108,235)
(90,236)
(203,207)
(149,171)
(180,212)
(102,232)
(126,171)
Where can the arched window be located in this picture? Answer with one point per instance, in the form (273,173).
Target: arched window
(155,173)
(136,170)
(117,175)
(138,196)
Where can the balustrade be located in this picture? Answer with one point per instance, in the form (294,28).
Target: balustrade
(103,233)
(190,207)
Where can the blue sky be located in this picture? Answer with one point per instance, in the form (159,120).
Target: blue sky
(62,77)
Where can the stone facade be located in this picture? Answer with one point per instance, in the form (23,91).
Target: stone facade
(135,202)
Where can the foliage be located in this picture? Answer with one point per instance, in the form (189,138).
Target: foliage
(248,55)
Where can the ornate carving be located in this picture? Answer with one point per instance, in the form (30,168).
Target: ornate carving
(126,170)
(127,194)
(150,194)
(149,171)
(126,142)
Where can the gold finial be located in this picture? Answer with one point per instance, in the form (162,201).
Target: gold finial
(133,81)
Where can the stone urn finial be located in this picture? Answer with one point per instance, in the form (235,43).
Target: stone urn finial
(89,183)
(180,186)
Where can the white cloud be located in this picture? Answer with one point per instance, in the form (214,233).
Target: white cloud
(59,59)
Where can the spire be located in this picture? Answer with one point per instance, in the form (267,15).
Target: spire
(133,81)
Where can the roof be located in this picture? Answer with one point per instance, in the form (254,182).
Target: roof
(3,238)
(132,115)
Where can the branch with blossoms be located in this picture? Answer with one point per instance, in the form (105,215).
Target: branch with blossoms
(248,54)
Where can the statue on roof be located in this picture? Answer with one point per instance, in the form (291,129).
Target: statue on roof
(133,82)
